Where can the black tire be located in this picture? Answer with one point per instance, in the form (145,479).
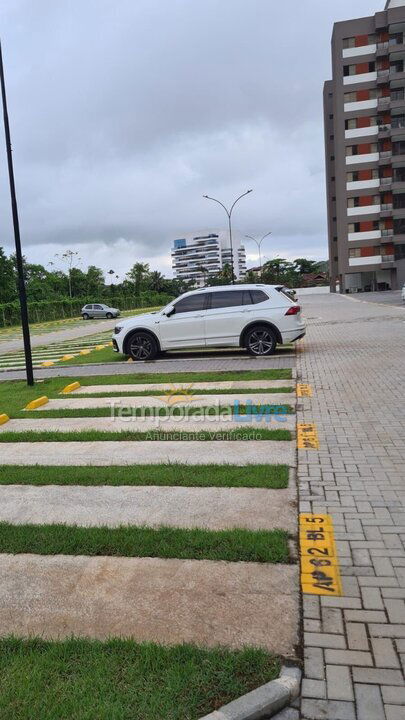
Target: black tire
(260,341)
(108,315)
(142,346)
(86,316)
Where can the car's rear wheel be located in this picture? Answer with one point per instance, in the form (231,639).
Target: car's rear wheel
(142,346)
(260,340)
(85,316)
(109,315)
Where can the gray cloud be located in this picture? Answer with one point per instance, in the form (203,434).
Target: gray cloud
(123,113)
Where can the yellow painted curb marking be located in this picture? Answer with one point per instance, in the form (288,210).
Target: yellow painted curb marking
(85,352)
(48,363)
(304,390)
(320,574)
(99,347)
(4,418)
(307,436)
(37,403)
(71,387)
(67,357)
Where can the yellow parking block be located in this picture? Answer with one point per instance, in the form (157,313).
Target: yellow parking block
(99,347)
(34,404)
(67,357)
(4,418)
(47,363)
(70,388)
(85,352)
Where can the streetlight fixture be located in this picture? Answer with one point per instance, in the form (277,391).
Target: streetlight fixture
(259,244)
(229,214)
(18,253)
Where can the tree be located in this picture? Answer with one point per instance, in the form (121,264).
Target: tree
(137,276)
(69,258)
(157,282)
(304,266)
(95,281)
(8,279)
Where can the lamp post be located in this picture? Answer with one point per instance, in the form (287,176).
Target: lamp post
(259,244)
(229,214)
(18,253)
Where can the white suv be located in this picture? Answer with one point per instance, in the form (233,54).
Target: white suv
(256,317)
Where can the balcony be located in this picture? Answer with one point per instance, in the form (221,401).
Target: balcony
(363,210)
(382,48)
(385,183)
(366,158)
(384,130)
(387,258)
(366,260)
(362,132)
(383,76)
(387,233)
(369,235)
(362,78)
(383,103)
(359,51)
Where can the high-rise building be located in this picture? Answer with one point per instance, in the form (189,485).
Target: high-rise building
(364,110)
(195,258)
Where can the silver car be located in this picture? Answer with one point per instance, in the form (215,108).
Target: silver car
(99,311)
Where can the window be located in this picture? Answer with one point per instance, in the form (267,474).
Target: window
(331,137)
(330,117)
(398,94)
(399,201)
(192,303)
(398,148)
(98,307)
(230,298)
(399,174)
(397,66)
(350,97)
(88,307)
(351,124)
(399,226)
(398,121)
(258,296)
(332,157)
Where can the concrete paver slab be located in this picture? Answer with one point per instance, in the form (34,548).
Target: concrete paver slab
(150,599)
(212,508)
(140,424)
(70,403)
(220,385)
(104,453)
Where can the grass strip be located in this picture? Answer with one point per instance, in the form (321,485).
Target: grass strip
(238,545)
(123,680)
(14,395)
(253,476)
(161,411)
(246,433)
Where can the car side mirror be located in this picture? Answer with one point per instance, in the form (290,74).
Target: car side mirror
(170,310)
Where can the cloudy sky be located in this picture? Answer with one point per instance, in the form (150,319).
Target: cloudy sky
(125,112)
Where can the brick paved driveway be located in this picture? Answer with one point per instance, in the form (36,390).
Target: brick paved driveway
(354,357)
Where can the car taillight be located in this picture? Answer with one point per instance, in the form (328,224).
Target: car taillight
(293,310)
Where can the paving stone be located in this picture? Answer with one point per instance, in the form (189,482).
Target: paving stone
(313,688)
(314,663)
(348,657)
(357,636)
(327,710)
(394,712)
(324,640)
(339,682)
(384,653)
(396,610)
(377,676)
(369,703)
(393,694)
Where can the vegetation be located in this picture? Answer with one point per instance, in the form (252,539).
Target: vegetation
(244,433)
(120,679)
(55,293)
(274,477)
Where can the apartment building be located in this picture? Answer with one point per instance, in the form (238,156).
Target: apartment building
(364,120)
(195,258)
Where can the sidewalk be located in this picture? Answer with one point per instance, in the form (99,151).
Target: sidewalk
(354,358)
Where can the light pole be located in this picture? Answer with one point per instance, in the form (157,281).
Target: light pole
(229,214)
(18,253)
(259,244)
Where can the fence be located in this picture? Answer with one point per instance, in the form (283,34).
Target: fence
(46,310)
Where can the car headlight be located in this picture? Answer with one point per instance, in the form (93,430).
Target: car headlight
(117,329)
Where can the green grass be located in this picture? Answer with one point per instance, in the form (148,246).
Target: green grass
(262,546)
(246,433)
(254,476)
(160,411)
(96,357)
(14,395)
(81,679)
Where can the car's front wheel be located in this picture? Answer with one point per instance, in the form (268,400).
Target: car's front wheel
(142,346)
(260,340)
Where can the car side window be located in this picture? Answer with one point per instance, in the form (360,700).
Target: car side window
(258,296)
(88,307)
(192,303)
(98,307)
(229,298)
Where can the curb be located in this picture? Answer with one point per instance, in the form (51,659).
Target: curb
(263,702)
(34,404)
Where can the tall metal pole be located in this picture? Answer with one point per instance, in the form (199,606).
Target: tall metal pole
(259,247)
(229,214)
(20,269)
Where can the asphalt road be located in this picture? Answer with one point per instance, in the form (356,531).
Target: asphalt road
(388,297)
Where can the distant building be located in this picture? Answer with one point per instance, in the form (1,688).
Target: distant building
(195,258)
(364,110)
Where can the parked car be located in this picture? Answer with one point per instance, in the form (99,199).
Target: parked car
(256,317)
(99,311)
(403,293)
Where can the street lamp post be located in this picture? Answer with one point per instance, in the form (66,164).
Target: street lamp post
(18,253)
(259,244)
(229,214)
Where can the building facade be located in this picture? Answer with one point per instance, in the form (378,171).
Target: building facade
(195,258)
(364,120)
